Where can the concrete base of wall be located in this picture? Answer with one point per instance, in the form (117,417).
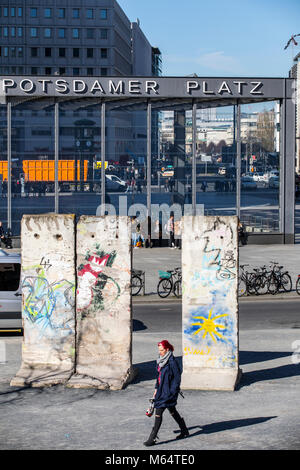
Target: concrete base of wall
(211,379)
(41,377)
(83,381)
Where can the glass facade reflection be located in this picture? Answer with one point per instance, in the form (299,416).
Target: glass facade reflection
(143,157)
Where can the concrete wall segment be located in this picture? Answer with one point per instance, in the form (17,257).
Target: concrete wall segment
(210,302)
(48,299)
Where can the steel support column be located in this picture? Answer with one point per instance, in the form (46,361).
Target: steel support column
(282,158)
(238,159)
(56,157)
(103,150)
(194,165)
(149,150)
(9,221)
(289,171)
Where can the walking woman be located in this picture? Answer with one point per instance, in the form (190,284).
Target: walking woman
(166,392)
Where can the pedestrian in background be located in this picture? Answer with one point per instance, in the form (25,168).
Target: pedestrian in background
(170,231)
(177,231)
(166,391)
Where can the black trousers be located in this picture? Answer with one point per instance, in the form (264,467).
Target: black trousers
(159,414)
(172,239)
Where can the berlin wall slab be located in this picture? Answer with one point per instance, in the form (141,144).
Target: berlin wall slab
(103,303)
(210,303)
(48,300)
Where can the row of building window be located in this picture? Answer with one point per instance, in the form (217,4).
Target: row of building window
(90,13)
(50,52)
(17,31)
(75,71)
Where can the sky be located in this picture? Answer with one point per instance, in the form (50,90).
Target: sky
(220,37)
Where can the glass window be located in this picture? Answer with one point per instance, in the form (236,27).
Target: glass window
(20,51)
(103,33)
(62,70)
(62,52)
(48,51)
(75,33)
(75,52)
(104,71)
(12,52)
(62,33)
(34,51)
(13,32)
(61,13)
(48,12)
(5,51)
(90,33)
(33,12)
(75,71)
(33,32)
(90,52)
(20,32)
(75,13)
(89,13)
(47,70)
(34,70)
(103,14)
(5,31)
(103,53)
(5,11)
(47,32)
(12,11)
(90,71)
(20,12)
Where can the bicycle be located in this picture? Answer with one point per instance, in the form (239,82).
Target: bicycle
(137,282)
(278,279)
(169,281)
(247,282)
(261,280)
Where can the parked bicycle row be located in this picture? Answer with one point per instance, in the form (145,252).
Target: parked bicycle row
(263,280)
(259,281)
(169,281)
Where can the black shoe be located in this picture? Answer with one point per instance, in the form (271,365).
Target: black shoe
(150,442)
(151,439)
(184,430)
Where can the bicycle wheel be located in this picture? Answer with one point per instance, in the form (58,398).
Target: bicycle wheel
(298,286)
(164,288)
(286,282)
(261,284)
(242,287)
(177,289)
(136,285)
(273,285)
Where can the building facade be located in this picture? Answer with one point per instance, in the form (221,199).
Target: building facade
(72,38)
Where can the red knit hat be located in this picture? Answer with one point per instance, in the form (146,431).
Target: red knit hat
(166,345)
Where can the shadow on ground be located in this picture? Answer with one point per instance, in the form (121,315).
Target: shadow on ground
(250,357)
(221,426)
(147,370)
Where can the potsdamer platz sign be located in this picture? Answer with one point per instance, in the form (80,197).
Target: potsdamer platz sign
(171,87)
(169,93)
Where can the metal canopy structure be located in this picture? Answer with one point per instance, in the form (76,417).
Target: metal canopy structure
(160,93)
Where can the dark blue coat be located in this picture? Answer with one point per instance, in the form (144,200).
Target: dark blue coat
(169,386)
